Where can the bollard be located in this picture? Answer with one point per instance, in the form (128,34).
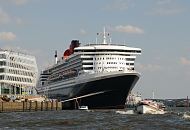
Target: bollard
(56,105)
(52,105)
(23,106)
(41,106)
(46,105)
(2,106)
(36,105)
(30,106)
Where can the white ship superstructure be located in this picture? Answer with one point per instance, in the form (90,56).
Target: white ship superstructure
(18,73)
(98,58)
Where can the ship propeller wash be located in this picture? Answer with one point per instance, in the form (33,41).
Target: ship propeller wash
(97,75)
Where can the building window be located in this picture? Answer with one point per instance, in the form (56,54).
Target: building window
(2,70)
(1,77)
(2,56)
(2,63)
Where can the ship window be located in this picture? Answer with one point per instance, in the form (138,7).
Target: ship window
(109,50)
(87,63)
(130,59)
(88,68)
(87,58)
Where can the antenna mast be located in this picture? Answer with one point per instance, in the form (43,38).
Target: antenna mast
(104,34)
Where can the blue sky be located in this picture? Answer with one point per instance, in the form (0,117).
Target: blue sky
(160,27)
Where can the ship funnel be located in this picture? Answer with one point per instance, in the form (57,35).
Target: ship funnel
(56,57)
(70,51)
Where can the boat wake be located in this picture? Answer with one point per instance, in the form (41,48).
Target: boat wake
(125,112)
(183,115)
(186,116)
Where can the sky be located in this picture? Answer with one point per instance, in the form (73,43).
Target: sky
(161,28)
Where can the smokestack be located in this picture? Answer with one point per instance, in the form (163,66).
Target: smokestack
(56,57)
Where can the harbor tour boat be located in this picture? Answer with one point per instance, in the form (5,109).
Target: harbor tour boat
(150,107)
(97,75)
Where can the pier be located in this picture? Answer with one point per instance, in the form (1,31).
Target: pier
(18,103)
(30,106)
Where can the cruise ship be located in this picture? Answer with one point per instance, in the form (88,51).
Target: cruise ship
(97,75)
(18,73)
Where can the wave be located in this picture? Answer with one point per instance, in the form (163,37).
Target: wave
(125,112)
(186,116)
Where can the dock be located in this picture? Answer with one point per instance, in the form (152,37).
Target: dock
(28,103)
(30,106)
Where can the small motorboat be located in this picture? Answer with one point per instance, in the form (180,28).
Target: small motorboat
(83,108)
(150,107)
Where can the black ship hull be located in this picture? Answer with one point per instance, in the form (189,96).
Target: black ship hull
(108,92)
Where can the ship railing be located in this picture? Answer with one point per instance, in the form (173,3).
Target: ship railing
(62,80)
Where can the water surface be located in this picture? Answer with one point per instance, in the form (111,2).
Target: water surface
(176,119)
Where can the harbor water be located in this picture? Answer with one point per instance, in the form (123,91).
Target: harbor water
(175,119)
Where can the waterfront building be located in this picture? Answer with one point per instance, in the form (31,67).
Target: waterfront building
(18,73)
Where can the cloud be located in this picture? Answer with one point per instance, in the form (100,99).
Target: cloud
(118,5)
(20,2)
(148,67)
(19,21)
(184,61)
(163,2)
(7,36)
(167,11)
(127,29)
(83,32)
(4,17)
(14,48)
(17,2)
(166,7)
(22,50)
